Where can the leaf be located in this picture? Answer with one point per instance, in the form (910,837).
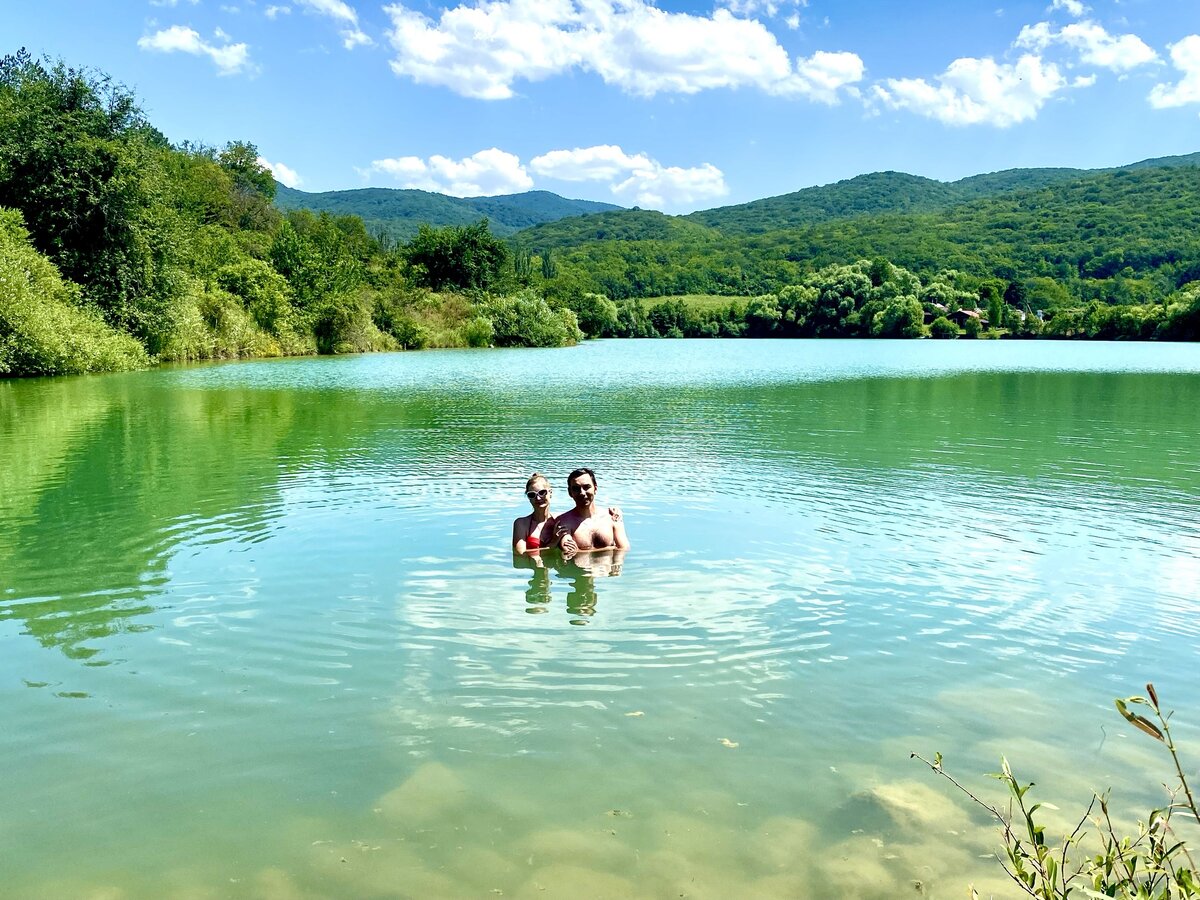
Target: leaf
(1151,692)
(1140,722)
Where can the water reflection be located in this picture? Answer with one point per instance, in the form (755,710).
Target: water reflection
(579,572)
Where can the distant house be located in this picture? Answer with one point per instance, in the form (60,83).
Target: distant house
(959,317)
(939,309)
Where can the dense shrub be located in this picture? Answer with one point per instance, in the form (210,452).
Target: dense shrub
(263,292)
(478,332)
(1182,317)
(393,314)
(943,328)
(343,323)
(43,328)
(527,320)
(597,315)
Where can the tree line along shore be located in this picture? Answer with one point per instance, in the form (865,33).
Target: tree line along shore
(119,250)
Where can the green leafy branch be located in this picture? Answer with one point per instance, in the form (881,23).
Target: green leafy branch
(1153,864)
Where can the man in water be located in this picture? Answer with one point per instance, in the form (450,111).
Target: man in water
(587,527)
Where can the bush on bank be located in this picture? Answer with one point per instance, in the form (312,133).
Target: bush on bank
(44,327)
(527,320)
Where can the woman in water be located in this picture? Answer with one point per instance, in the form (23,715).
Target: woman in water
(536,530)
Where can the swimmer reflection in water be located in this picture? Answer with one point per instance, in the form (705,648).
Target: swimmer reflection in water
(579,572)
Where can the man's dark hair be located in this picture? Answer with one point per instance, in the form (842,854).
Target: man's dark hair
(584,470)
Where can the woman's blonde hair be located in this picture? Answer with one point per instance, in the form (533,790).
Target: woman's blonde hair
(535,478)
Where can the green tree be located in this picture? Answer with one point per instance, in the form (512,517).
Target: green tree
(763,316)
(943,328)
(80,162)
(1015,294)
(1182,320)
(904,317)
(880,271)
(597,315)
(315,256)
(262,290)
(996,308)
(199,189)
(241,160)
(522,261)
(458,257)
(632,320)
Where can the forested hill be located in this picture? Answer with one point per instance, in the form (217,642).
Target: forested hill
(896,192)
(621,225)
(1122,236)
(399,213)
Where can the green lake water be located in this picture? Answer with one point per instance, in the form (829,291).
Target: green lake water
(261,634)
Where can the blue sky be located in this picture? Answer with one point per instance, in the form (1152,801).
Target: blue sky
(674,106)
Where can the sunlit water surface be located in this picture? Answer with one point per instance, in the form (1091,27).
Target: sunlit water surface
(261,634)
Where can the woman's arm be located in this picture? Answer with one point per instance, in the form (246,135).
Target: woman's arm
(520,532)
(620,538)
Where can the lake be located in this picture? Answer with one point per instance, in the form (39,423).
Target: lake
(261,633)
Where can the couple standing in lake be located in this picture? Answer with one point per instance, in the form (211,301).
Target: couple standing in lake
(578,530)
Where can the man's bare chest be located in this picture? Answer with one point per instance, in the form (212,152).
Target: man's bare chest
(593,533)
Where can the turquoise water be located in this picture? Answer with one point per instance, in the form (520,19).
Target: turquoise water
(261,634)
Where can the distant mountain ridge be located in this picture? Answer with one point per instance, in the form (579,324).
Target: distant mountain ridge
(547,220)
(401,212)
(1118,235)
(897,192)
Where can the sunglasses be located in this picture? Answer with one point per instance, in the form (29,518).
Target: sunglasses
(538,495)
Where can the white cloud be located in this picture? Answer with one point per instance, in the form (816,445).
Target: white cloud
(770,8)
(823,74)
(344,14)
(170,3)
(482,50)
(977,91)
(483,174)
(1185,56)
(1072,7)
(671,187)
(634,178)
(605,162)
(272,12)
(645,51)
(283,174)
(229,58)
(1092,42)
